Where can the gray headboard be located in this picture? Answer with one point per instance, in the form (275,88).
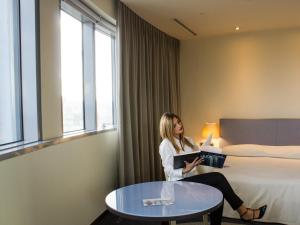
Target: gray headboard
(260,131)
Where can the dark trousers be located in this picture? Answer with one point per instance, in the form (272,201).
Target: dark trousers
(220,182)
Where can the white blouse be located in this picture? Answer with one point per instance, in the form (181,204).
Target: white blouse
(167,151)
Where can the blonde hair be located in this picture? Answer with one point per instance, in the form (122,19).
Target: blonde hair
(166,131)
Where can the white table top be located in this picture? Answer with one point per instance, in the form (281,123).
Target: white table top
(189,200)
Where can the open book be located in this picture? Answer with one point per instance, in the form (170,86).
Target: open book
(210,159)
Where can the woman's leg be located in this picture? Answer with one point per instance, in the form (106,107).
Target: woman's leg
(216,216)
(218,181)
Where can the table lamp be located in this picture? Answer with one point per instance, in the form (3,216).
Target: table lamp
(210,129)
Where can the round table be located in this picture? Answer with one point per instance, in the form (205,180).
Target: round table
(184,200)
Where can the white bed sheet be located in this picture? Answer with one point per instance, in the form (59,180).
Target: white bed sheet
(264,180)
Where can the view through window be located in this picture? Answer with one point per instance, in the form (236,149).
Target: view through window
(71,73)
(87,70)
(104,79)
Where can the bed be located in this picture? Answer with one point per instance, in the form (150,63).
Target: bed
(263,165)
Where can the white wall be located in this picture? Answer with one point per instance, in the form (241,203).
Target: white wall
(64,184)
(255,75)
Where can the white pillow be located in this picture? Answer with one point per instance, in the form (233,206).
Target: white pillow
(251,150)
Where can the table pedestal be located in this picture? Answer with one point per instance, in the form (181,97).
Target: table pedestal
(205,220)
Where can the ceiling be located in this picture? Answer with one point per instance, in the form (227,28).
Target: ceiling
(217,17)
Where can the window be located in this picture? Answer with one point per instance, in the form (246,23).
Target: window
(18,69)
(71,73)
(104,79)
(10,97)
(88,69)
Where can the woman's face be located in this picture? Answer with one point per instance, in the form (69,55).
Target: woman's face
(177,127)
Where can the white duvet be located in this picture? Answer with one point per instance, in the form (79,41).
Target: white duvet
(265,175)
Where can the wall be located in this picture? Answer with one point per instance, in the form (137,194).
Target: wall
(255,75)
(64,184)
(50,69)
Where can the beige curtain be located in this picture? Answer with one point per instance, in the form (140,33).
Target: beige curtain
(149,86)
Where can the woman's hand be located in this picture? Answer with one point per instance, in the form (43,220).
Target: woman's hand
(189,166)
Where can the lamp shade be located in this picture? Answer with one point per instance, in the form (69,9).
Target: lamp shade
(210,128)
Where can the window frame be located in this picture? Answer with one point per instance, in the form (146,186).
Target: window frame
(28,69)
(95,22)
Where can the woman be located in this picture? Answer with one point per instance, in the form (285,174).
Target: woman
(174,142)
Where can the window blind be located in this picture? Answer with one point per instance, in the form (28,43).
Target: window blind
(85,12)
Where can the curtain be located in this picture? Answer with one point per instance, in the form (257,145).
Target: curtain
(148,87)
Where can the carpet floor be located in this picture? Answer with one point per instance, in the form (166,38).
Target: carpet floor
(110,219)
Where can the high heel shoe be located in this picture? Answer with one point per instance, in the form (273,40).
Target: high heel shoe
(261,209)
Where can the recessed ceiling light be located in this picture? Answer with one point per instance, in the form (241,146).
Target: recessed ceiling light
(237,28)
